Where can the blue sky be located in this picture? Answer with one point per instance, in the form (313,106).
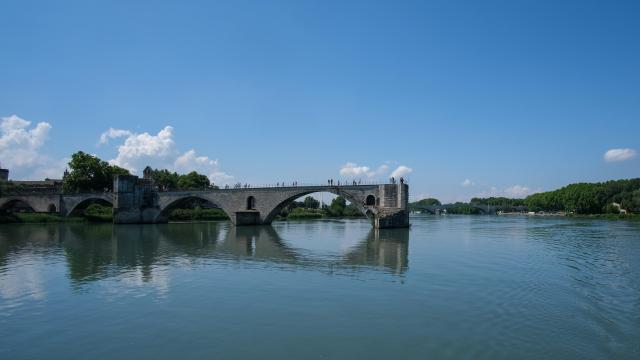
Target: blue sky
(513,96)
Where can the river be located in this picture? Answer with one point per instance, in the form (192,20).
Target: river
(453,287)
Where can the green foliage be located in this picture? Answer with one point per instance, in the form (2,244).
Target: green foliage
(463,208)
(89,173)
(428,202)
(311,203)
(37,218)
(193,181)
(351,210)
(197,214)
(305,213)
(336,209)
(165,180)
(588,198)
(417,205)
(98,213)
(498,201)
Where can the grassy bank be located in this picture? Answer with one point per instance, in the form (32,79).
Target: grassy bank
(37,218)
(197,214)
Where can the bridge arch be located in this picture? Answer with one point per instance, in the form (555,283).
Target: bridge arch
(165,210)
(358,201)
(16,203)
(86,201)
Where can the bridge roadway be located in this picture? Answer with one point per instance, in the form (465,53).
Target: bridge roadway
(135,200)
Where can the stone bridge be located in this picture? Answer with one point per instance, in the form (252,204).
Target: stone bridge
(63,204)
(137,201)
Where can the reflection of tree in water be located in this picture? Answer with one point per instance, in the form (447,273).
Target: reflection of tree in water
(17,239)
(95,251)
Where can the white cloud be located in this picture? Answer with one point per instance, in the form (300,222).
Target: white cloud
(614,155)
(401,171)
(21,149)
(113,134)
(514,191)
(139,150)
(188,162)
(160,151)
(19,144)
(517,191)
(352,169)
(382,169)
(467,183)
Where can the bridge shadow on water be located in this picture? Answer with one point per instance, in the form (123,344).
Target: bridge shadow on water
(94,252)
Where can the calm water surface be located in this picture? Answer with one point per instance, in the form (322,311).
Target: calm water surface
(450,287)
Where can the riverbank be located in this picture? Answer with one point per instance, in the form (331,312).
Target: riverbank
(38,218)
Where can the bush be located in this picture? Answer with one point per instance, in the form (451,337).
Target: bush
(302,213)
(197,214)
(98,213)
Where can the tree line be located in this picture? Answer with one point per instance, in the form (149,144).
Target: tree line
(311,208)
(579,198)
(88,173)
(589,198)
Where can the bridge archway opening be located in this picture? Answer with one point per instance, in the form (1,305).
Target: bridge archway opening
(16,206)
(193,208)
(315,205)
(95,205)
(370,200)
(251,203)
(52,208)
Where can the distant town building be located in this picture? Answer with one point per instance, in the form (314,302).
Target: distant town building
(46,185)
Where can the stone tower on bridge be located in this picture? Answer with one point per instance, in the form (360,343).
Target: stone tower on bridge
(139,201)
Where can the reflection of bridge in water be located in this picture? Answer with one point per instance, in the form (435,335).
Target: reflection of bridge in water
(101,251)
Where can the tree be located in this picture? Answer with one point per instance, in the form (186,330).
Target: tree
(587,198)
(311,203)
(165,180)
(337,206)
(418,205)
(351,210)
(89,173)
(193,181)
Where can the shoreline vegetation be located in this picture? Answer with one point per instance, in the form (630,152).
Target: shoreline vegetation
(615,199)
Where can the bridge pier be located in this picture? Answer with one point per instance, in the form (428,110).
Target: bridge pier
(247,217)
